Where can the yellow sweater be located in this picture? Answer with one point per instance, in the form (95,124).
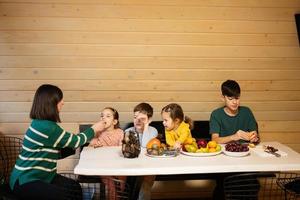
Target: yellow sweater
(180,134)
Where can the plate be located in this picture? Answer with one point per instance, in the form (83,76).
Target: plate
(201,154)
(161,156)
(236,154)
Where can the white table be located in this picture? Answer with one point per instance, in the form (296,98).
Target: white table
(110,161)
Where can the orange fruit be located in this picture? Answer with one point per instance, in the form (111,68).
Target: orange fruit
(212,150)
(152,142)
(188,141)
(212,144)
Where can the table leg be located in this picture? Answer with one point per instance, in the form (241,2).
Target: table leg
(135,183)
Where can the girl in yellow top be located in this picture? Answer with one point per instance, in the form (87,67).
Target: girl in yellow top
(177,127)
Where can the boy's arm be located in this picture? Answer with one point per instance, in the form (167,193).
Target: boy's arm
(239,135)
(221,140)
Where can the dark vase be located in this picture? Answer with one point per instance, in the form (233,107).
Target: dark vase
(131,147)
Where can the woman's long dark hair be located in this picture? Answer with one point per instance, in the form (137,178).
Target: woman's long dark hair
(44,105)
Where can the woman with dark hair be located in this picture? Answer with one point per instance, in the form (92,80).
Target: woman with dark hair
(34,175)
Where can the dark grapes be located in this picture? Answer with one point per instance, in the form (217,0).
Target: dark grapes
(236,147)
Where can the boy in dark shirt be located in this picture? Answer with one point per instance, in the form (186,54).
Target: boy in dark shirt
(232,122)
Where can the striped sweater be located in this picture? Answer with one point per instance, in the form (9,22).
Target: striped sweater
(41,150)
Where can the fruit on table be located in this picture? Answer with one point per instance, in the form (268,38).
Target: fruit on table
(218,148)
(189,140)
(190,148)
(212,150)
(236,147)
(201,143)
(153,142)
(203,150)
(212,144)
(251,145)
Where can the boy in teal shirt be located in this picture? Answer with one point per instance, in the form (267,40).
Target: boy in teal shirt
(232,122)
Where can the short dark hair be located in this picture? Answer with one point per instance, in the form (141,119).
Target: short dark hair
(144,108)
(231,88)
(44,105)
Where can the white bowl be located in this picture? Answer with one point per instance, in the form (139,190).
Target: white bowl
(236,154)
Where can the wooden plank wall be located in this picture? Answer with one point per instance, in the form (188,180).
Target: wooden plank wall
(121,52)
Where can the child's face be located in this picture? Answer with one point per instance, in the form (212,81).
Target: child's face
(139,121)
(108,117)
(168,122)
(232,103)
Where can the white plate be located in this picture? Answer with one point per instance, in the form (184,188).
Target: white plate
(201,154)
(236,154)
(162,156)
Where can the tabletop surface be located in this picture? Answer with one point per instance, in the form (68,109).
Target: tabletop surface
(110,161)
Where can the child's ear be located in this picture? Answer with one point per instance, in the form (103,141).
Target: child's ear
(150,120)
(115,121)
(222,98)
(177,121)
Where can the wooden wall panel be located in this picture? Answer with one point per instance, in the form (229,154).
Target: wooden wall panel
(145,25)
(213,3)
(145,38)
(145,12)
(148,62)
(121,52)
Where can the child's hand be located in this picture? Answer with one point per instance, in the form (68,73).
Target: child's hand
(177,145)
(98,143)
(142,122)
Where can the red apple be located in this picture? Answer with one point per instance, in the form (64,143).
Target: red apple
(201,143)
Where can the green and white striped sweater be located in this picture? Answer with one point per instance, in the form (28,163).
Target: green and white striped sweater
(40,151)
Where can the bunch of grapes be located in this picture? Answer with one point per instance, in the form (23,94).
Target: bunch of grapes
(236,147)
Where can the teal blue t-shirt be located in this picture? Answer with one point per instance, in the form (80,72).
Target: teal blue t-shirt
(226,125)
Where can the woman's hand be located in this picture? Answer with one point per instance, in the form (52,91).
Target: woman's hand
(99,126)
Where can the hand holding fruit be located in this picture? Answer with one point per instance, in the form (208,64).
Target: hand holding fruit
(254,137)
(177,145)
(242,135)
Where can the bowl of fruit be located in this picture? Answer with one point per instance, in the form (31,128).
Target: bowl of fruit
(156,149)
(236,149)
(201,148)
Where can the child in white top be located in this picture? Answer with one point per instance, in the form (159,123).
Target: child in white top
(142,114)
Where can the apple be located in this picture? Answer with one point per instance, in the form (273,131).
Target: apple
(202,143)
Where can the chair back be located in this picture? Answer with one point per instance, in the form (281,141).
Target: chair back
(10,148)
(252,186)
(2,166)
